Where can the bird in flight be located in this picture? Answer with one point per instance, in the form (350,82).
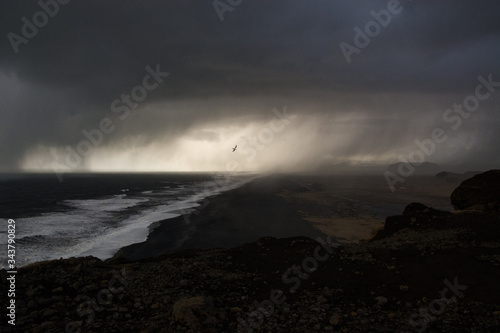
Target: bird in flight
(235,148)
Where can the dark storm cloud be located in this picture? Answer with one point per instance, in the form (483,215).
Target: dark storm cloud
(264,54)
(98,45)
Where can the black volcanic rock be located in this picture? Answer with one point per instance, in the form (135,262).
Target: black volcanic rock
(417,209)
(415,216)
(481,192)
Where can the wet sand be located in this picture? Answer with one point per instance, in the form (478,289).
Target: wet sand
(230,219)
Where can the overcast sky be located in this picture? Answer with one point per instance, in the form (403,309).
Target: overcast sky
(297,85)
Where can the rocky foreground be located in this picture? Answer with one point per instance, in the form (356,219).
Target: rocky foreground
(427,270)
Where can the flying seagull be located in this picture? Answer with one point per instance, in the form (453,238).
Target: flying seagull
(235,148)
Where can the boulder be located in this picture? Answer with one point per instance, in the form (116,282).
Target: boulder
(481,192)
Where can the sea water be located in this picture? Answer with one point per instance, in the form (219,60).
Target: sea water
(96,214)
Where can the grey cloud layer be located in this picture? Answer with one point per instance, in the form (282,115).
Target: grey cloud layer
(263,55)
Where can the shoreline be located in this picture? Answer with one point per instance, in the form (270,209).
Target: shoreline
(283,206)
(231,218)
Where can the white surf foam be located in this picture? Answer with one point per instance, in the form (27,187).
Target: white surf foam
(100,227)
(115,203)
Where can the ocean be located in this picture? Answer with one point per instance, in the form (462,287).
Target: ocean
(96,214)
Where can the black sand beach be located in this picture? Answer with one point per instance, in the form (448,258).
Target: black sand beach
(232,218)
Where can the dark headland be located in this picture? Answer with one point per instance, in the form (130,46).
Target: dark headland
(426,270)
